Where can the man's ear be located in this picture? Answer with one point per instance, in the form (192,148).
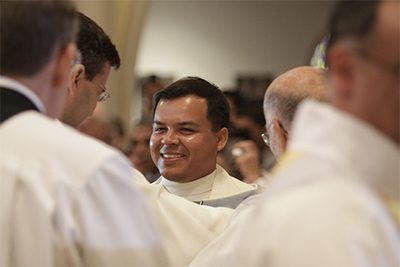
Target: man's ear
(281,134)
(62,67)
(77,71)
(222,138)
(341,68)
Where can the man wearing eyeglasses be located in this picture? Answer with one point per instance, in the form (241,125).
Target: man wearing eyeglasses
(89,74)
(282,99)
(66,200)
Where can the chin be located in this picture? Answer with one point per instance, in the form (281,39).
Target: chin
(172,177)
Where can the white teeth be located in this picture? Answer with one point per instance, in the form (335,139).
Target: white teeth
(172,156)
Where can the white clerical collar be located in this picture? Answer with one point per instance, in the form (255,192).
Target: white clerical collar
(22,89)
(196,190)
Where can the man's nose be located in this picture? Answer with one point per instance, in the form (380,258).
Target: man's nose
(169,138)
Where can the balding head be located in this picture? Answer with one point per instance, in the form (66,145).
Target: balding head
(282,98)
(289,89)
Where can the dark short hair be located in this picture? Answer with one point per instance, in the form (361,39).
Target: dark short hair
(31,31)
(95,47)
(217,105)
(352,19)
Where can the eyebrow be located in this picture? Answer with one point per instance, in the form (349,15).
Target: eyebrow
(183,123)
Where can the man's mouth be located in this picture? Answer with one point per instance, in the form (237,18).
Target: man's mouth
(172,155)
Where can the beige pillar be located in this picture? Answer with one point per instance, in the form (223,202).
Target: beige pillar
(123,21)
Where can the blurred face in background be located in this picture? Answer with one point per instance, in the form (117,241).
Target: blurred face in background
(140,153)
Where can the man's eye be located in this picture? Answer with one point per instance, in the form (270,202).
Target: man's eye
(187,130)
(158,129)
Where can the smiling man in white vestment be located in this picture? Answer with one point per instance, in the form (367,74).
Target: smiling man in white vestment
(190,126)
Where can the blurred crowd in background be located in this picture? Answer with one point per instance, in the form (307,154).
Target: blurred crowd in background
(246,118)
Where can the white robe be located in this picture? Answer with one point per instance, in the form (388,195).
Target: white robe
(69,200)
(217,189)
(324,206)
(185,227)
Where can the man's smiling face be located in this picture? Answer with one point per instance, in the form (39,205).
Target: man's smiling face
(183,145)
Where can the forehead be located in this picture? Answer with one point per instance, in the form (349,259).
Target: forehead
(186,108)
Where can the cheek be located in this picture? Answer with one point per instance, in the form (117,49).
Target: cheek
(89,98)
(275,146)
(274,152)
(201,146)
(192,142)
(93,104)
(142,148)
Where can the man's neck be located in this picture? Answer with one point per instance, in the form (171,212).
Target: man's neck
(196,190)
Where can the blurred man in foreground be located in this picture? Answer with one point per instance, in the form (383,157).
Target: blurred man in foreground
(335,199)
(66,199)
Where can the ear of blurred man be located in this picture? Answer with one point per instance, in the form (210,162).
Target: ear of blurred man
(77,71)
(279,136)
(341,75)
(72,103)
(63,62)
(60,67)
